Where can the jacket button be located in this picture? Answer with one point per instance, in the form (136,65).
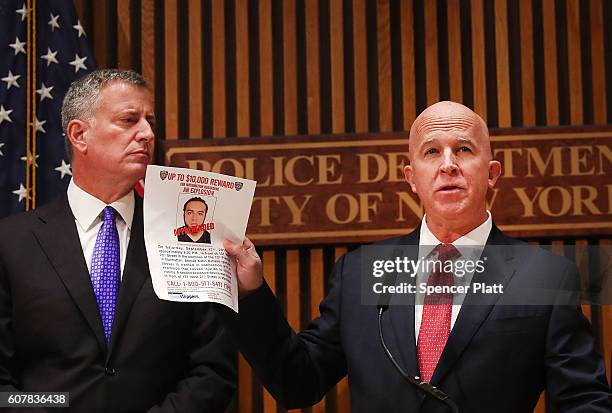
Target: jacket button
(110,371)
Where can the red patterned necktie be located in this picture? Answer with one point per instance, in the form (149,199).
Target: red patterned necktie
(437,311)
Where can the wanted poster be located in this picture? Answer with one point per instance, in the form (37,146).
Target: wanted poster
(187,215)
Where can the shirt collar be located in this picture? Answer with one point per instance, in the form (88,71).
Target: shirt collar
(86,208)
(475,238)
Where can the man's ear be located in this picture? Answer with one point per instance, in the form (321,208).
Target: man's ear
(495,170)
(408,174)
(76,133)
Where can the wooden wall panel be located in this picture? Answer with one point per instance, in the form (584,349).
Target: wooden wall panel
(574,63)
(293,296)
(242,72)
(148,35)
(171,69)
(290,65)
(607,338)
(598,61)
(431,52)
(502,64)
(313,106)
(337,66)
(541,407)
(550,63)
(229,83)
(269,266)
(317,292)
(408,77)
(342,389)
(360,69)
(218,66)
(572,54)
(266,83)
(292,272)
(454,50)
(606,317)
(196,103)
(384,65)
(478,59)
(124,58)
(527,69)
(101,34)
(245,385)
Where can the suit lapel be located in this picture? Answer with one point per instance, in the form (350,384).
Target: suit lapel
(135,272)
(59,239)
(402,321)
(402,315)
(499,269)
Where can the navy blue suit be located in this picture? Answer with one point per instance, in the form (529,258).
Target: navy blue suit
(498,358)
(163,356)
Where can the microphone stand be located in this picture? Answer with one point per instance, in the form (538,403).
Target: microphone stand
(423,386)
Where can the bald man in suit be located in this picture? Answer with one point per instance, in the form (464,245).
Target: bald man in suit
(486,356)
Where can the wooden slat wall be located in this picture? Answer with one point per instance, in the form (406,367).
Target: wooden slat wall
(527,70)
(478,60)
(290,100)
(240,68)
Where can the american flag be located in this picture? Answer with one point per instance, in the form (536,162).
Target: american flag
(43,49)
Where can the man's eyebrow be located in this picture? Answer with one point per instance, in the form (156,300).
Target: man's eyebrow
(460,139)
(133,109)
(427,141)
(126,109)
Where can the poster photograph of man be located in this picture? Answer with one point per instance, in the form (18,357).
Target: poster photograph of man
(193,215)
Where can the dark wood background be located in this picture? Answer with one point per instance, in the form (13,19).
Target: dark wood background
(242,68)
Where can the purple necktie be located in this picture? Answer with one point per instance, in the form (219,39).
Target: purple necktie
(106,270)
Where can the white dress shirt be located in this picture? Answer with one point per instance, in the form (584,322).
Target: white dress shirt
(473,243)
(88,215)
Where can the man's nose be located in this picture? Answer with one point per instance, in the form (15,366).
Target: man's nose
(449,163)
(145,131)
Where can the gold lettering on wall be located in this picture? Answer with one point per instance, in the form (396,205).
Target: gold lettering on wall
(343,188)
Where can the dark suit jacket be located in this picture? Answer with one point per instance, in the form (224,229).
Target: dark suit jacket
(498,358)
(163,356)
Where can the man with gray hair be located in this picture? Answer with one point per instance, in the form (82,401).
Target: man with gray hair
(78,312)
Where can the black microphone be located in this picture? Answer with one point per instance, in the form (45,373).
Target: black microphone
(425,387)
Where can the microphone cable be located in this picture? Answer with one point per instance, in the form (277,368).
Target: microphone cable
(423,386)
